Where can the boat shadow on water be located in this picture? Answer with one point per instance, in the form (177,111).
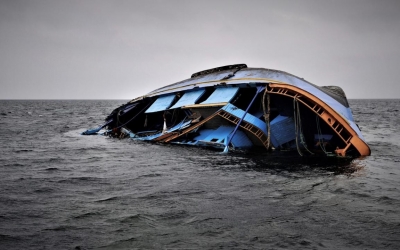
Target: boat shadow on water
(291,162)
(277,162)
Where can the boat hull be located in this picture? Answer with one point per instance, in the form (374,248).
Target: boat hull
(235,107)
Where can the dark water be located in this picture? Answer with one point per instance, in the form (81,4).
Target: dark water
(61,190)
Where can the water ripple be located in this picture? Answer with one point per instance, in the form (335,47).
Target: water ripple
(61,190)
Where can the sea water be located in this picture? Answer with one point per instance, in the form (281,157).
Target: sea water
(62,190)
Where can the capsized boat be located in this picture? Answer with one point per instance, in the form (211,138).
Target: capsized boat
(239,108)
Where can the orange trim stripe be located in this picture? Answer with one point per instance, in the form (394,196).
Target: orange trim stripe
(329,115)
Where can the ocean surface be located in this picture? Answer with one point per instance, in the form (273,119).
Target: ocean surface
(62,190)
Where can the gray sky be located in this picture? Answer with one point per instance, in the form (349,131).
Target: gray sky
(117,49)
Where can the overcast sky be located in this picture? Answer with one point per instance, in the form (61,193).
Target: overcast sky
(124,49)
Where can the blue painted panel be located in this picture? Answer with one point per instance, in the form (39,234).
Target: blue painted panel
(148,138)
(218,136)
(221,95)
(162,103)
(282,127)
(183,124)
(129,107)
(203,134)
(178,126)
(282,130)
(240,140)
(189,98)
(232,109)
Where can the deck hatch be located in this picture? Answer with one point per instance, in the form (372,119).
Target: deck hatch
(162,103)
(189,98)
(221,95)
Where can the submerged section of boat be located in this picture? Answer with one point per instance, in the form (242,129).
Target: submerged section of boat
(236,107)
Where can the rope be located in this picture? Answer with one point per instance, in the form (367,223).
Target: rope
(266,117)
(165,123)
(321,142)
(174,117)
(118,114)
(298,128)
